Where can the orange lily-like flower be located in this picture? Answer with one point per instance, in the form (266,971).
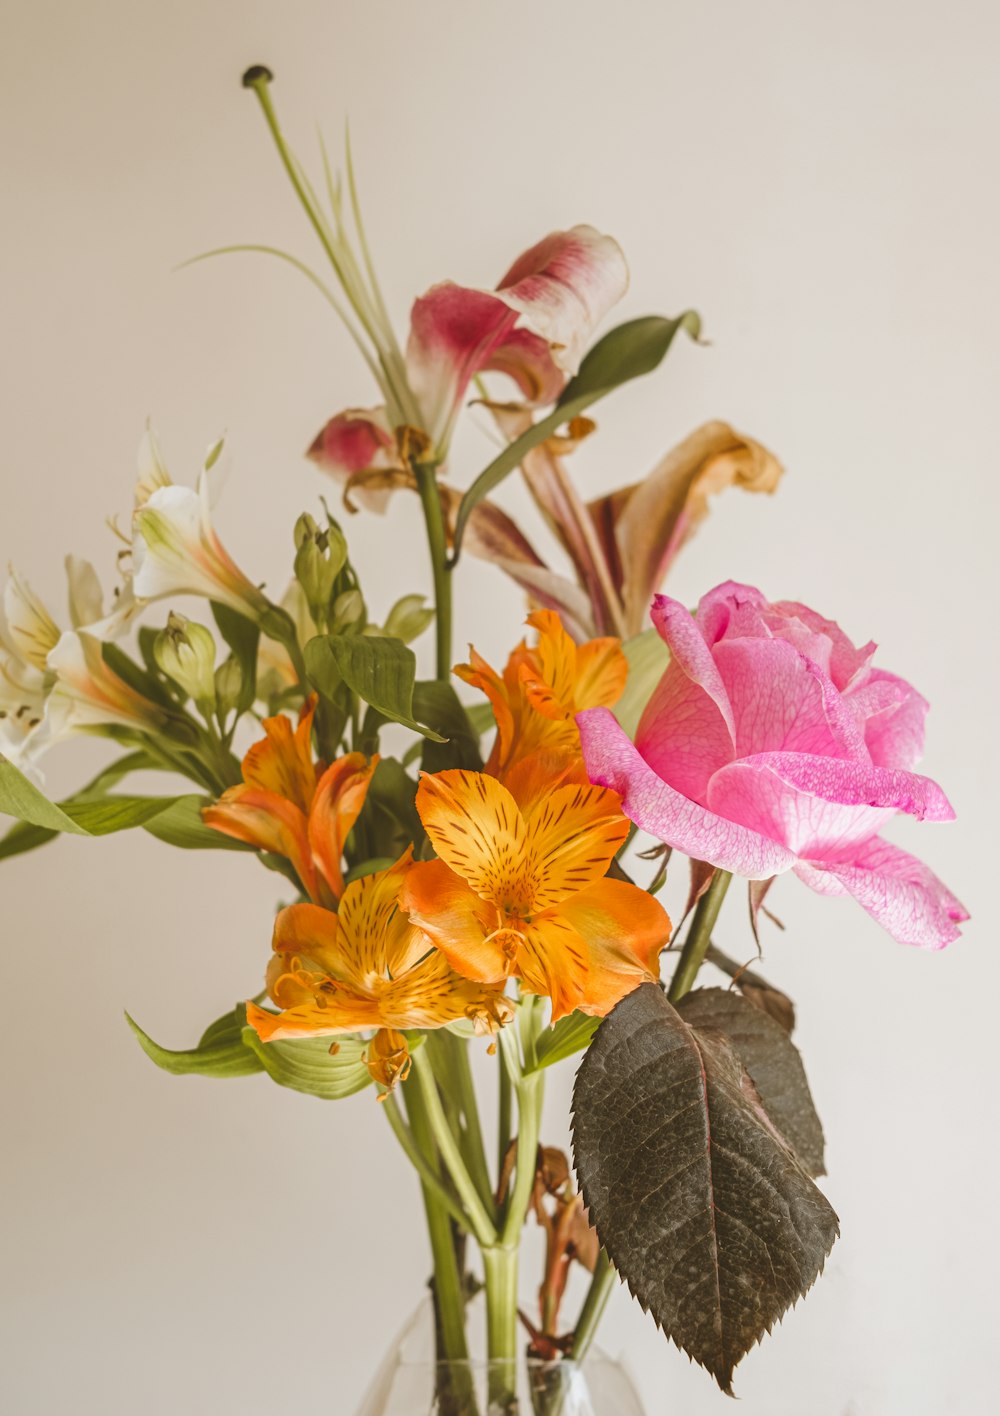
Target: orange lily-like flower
(368,966)
(521,890)
(295,807)
(541,691)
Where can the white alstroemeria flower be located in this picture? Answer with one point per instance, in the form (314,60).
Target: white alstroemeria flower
(29,640)
(89,694)
(175,549)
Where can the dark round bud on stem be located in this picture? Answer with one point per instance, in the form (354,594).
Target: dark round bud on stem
(257,74)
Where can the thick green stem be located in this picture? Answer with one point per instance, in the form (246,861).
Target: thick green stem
(699,936)
(500,1266)
(601,1287)
(450,1059)
(437,541)
(449,1299)
(480,1222)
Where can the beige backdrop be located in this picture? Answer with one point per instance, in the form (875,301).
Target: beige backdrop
(820,181)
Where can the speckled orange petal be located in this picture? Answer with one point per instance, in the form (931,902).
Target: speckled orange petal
(573,835)
(549,681)
(432,994)
(313,933)
(552,961)
(387,1058)
(601,673)
(340,795)
(311,1020)
(453,917)
(282,762)
(540,773)
(267,821)
(625,929)
(475,827)
(365,915)
(478,674)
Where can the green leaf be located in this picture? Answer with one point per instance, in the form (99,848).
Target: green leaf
(564,1039)
(144,682)
(390,807)
(181,825)
(381,671)
(702,1206)
(101,816)
(481,718)
(243,637)
(22,838)
(22,799)
(438,703)
(625,353)
(306,1065)
(222,1052)
(648,658)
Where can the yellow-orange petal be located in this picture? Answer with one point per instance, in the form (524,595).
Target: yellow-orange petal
(552,961)
(365,915)
(340,795)
(541,772)
(549,680)
(475,827)
(432,994)
(456,920)
(313,933)
(282,762)
(308,1020)
(387,1058)
(478,674)
(573,834)
(625,929)
(269,822)
(601,672)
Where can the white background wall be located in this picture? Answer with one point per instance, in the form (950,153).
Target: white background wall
(820,180)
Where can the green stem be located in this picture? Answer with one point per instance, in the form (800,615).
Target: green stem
(699,936)
(601,1287)
(428,1178)
(444,1138)
(505,1099)
(449,1300)
(500,1266)
(529,1121)
(437,540)
(450,1058)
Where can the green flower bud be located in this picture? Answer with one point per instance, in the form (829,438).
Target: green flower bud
(228,686)
(185,652)
(408,618)
(348,609)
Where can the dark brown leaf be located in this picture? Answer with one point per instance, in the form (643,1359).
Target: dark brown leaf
(706,1214)
(756,989)
(773,1061)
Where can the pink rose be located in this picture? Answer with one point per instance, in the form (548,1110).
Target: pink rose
(772,744)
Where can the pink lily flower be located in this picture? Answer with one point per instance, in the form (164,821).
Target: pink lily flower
(772,744)
(534,327)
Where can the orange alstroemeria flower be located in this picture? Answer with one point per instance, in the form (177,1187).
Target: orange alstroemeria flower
(367,966)
(543,688)
(294,806)
(520,888)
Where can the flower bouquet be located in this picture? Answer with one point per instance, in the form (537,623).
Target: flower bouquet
(461,848)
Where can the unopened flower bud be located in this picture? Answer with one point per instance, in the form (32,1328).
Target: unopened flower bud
(408,618)
(348,609)
(228,686)
(185,652)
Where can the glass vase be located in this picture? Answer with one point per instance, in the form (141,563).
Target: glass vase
(411,1383)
